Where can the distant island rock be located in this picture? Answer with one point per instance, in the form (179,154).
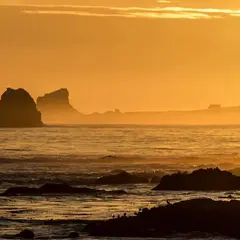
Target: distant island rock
(18,109)
(199,216)
(56,107)
(212,179)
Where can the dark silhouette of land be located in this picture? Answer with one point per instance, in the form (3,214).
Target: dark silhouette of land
(18,109)
(200,180)
(56,108)
(51,189)
(196,215)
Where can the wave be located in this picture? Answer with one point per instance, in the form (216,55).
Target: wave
(47,222)
(121,157)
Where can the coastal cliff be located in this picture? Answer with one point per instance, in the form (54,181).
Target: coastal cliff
(56,107)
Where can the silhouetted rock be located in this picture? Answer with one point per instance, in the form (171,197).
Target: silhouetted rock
(26,234)
(227,197)
(214,107)
(155,179)
(14,191)
(109,157)
(121,178)
(18,109)
(196,215)
(200,180)
(235,171)
(52,189)
(73,235)
(55,107)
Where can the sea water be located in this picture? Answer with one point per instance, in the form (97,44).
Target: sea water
(75,154)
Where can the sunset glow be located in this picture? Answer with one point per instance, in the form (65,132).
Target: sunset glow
(152,46)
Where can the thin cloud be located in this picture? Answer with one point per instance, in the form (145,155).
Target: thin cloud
(78,13)
(131,12)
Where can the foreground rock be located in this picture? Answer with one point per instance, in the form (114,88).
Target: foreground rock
(53,189)
(18,109)
(73,235)
(197,215)
(56,107)
(200,180)
(121,178)
(26,234)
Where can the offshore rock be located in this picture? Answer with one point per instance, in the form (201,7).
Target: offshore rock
(121,178)
(26,234)
(53,189)
(18,109)
(200,180)
(56,107)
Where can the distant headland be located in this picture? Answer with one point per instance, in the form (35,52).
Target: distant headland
(57,109)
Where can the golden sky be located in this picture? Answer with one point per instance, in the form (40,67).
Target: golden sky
(128,54)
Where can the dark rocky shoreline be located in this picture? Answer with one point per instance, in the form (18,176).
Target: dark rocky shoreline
(204,216)
(196,215)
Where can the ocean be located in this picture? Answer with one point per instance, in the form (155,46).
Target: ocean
(76,154)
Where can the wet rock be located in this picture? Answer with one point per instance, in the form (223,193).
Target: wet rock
(155,179)
(121,178)
(18,109)
(196,215)
(200,180)
(110,157)
(26,234)
(14,191)
(227,197)
(73,235)
(53,189)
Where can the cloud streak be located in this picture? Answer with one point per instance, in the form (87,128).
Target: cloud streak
(131,12)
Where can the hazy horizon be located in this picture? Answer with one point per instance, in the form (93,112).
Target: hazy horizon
(133,55)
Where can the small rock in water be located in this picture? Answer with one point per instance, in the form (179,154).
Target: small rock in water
(73,235)
(26,234)
(228,197)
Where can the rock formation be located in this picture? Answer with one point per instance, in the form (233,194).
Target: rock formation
(200,180)
(26,234)
(56,107)
(121,178)
(52,189)
(18,109)
(196,215)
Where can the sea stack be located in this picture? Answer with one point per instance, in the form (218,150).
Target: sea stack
(212,179)
(18,109)
(56,107)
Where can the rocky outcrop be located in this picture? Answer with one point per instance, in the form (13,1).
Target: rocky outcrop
(53,189)
(200,180)
(56,107)
(18,109)
(196,215)
(26,234)
(73,235)
(121,178)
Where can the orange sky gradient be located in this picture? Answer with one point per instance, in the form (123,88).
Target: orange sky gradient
(134,55)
